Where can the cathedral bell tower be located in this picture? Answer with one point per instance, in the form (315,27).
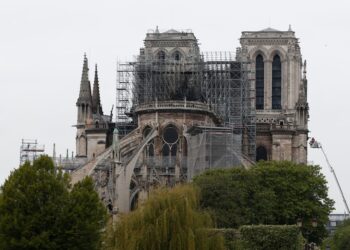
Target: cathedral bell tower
(282,109)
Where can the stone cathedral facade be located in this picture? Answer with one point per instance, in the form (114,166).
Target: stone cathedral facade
(190,113)
(280,87)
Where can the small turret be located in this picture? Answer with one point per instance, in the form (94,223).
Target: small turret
(96,100)
(85,88)
(84,102)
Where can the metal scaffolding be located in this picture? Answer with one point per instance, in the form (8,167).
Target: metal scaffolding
(227,86)
(124,90)
(125,84)
(30,150)
(214,78)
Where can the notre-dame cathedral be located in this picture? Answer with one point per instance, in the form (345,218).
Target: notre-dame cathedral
(180,111)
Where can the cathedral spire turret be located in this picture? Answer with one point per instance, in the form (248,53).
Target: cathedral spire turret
(85,88)
(96,100)
(84,102)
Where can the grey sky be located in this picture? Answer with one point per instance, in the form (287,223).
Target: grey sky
(42,45)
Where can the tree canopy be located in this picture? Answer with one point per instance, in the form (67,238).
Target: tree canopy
(39,211)
(340,240)
(269,193)
(169,219)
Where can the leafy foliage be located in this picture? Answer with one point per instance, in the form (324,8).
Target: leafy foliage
(262,237)
(231,236)
(341,238)
(266,237)
(85,218)
(169,219)
(269,193)
(37,210)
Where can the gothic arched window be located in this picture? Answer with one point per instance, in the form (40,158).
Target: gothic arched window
(166,150)
(177,56)
(170,134)
(261,153)
(149,150)
(146,131)
(276,82)
(161,55)
(170,141)
(259,82)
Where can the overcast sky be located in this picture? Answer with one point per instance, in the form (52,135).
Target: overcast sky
(42,44)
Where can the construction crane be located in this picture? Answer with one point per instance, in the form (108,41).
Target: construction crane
(316,144)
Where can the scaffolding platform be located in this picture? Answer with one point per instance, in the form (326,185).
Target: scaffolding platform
(30,150)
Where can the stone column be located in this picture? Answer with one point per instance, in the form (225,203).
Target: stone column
(302,148)
(285,85)
(268,84)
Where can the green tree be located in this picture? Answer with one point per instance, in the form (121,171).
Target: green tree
(85,217)
(268,193)
(169,219)
(231,195)
(37,210)
(340,240)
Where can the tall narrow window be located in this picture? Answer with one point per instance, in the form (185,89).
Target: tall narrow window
(276,82)
(161,55)
(177,56)
(261,153)
(170,140)
(259,82)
